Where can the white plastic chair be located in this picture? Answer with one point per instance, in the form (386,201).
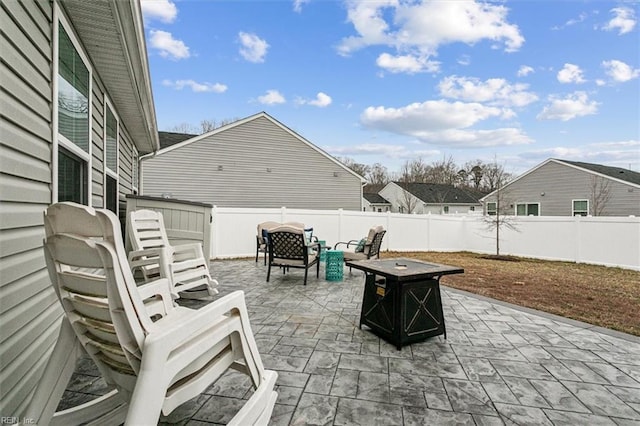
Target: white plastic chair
(157,355)
(184,265)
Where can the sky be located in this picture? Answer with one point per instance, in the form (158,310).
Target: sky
(388,81)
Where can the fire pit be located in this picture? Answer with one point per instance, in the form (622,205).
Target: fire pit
(401,301)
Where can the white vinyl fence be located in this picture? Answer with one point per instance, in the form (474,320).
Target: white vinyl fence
(610,241)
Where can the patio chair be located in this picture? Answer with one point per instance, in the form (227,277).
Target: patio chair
(262,244)
(288,248)
(158,355)
(365,248)
(184,265)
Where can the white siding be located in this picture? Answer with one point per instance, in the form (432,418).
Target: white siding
(299,176)
(29,310)
(561,184)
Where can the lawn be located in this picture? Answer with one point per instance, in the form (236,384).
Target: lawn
(598,295)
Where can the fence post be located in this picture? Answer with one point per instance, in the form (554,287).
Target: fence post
(388,228)
(283,214)
(428,231)
(214,235)
(577,238)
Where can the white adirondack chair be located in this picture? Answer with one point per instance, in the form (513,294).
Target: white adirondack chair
(184,265)
(157,355)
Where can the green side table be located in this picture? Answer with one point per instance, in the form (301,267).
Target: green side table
(334,265)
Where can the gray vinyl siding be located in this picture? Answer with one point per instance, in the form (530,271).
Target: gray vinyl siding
(561,184)
(29,311)
(300,177)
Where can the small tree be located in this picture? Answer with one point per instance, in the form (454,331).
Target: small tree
(600,193)
(407,202)
(503,216)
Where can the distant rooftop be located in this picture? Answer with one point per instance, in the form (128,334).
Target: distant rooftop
(440,193)
(614,172)
(168,139)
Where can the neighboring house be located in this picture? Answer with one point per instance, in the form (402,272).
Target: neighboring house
(372,201)
(76,111)
(253,162)
(424,198)
(569,188)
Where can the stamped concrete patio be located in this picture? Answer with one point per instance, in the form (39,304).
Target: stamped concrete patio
(500,364)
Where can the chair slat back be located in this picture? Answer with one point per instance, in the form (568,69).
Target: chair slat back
(376,243)
(88,268)
(146,229)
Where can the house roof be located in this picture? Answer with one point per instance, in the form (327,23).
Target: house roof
(374,198)
(168,139)
(372,188)
(625,176)
(240,122)
(613,172)
(435,193)
(113,35)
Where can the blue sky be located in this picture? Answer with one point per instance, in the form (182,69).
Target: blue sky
(391,80)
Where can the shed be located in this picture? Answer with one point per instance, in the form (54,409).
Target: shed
(253,162)
(569,188)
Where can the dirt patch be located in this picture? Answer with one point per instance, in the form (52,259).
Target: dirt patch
(598,295)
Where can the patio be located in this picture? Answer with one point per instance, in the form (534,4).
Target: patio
(500,364)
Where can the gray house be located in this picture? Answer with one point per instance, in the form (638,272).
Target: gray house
(253,162)
(568,188)
(372,201)
(424,198)
(76,111)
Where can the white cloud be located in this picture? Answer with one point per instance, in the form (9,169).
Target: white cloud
(418,28)
(570,73)
(624,20)
(574,105)
(409,64)
(619,71)
(272,97)
(384,150)
(195,86)
(297,5)
(162,10)
(443,122)
(253,49)
(525,70)
(617,154)
(168,46)
(322,100)
(572,21)
(495,91)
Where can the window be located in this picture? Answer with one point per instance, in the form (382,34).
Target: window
(580,207)
(492,208)
(524,209)
(446,209)
(72,178)
(472,208)
(72,109)
(110,159)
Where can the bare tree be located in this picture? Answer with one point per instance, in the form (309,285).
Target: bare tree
(185,128)
(502,217)
(361,169)
(407,202)
(494,176)
(600,193)
(445,172)
(378,174)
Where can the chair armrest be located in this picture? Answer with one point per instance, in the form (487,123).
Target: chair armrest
(138,258)
(187,251)
(160,287)
(348,243)
(173,331)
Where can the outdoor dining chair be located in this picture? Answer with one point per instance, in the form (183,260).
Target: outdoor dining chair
(156,355)
(185,265)
(262,237)
(365,248)
(289,248)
